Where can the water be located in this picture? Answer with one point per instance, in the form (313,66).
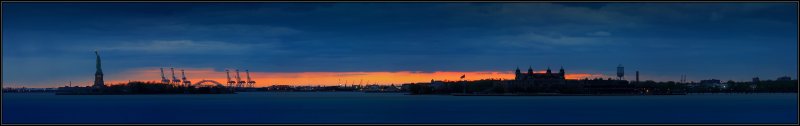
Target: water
(353,107)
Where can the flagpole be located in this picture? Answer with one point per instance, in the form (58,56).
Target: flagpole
(465,84)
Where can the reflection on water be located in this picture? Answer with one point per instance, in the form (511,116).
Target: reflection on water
(356,107)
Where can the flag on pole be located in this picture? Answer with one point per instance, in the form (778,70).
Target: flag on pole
(462,76)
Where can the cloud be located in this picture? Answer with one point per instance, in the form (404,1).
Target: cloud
(600,33)
(188,47)
(562,14)
(229,29)
(392,37)
(350,74)
(715,16)
(544,40)
(45,71)
(670,13)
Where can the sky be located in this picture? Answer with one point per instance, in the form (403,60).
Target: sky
(50,44)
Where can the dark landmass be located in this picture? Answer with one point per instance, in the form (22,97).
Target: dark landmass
(144,88)
(594,87)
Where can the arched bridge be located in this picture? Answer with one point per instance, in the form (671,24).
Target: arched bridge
(206,82)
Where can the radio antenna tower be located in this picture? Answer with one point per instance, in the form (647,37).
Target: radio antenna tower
(683,78)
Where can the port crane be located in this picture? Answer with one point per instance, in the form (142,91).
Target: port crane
(164,79)
(174,79)
(230,82)
(239,82)
(187,83)
(250,83)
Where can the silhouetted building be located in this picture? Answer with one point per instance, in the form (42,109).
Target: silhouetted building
(437,84)
(280,88)
(405,87)
(536,82)
(539,76)
(785,78)
(391,88)
(756,80)
(711,81)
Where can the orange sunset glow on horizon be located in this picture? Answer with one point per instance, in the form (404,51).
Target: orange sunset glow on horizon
(323,78)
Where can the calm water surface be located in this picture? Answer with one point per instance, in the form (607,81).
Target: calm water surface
(354,107)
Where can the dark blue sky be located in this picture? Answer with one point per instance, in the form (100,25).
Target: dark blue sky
(729,41)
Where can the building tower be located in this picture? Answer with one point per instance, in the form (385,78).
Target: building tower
(174,79)
(163,78)
(239,81)
(548,71)
(251,83)
(517,73)
(187,83)
(230,82)
(561,73)
(756,80)
(530,71)
(637,76)
(620,72)
(98,75)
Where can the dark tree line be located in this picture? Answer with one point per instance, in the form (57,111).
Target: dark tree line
(161,88)
(600,86)
(768,86)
